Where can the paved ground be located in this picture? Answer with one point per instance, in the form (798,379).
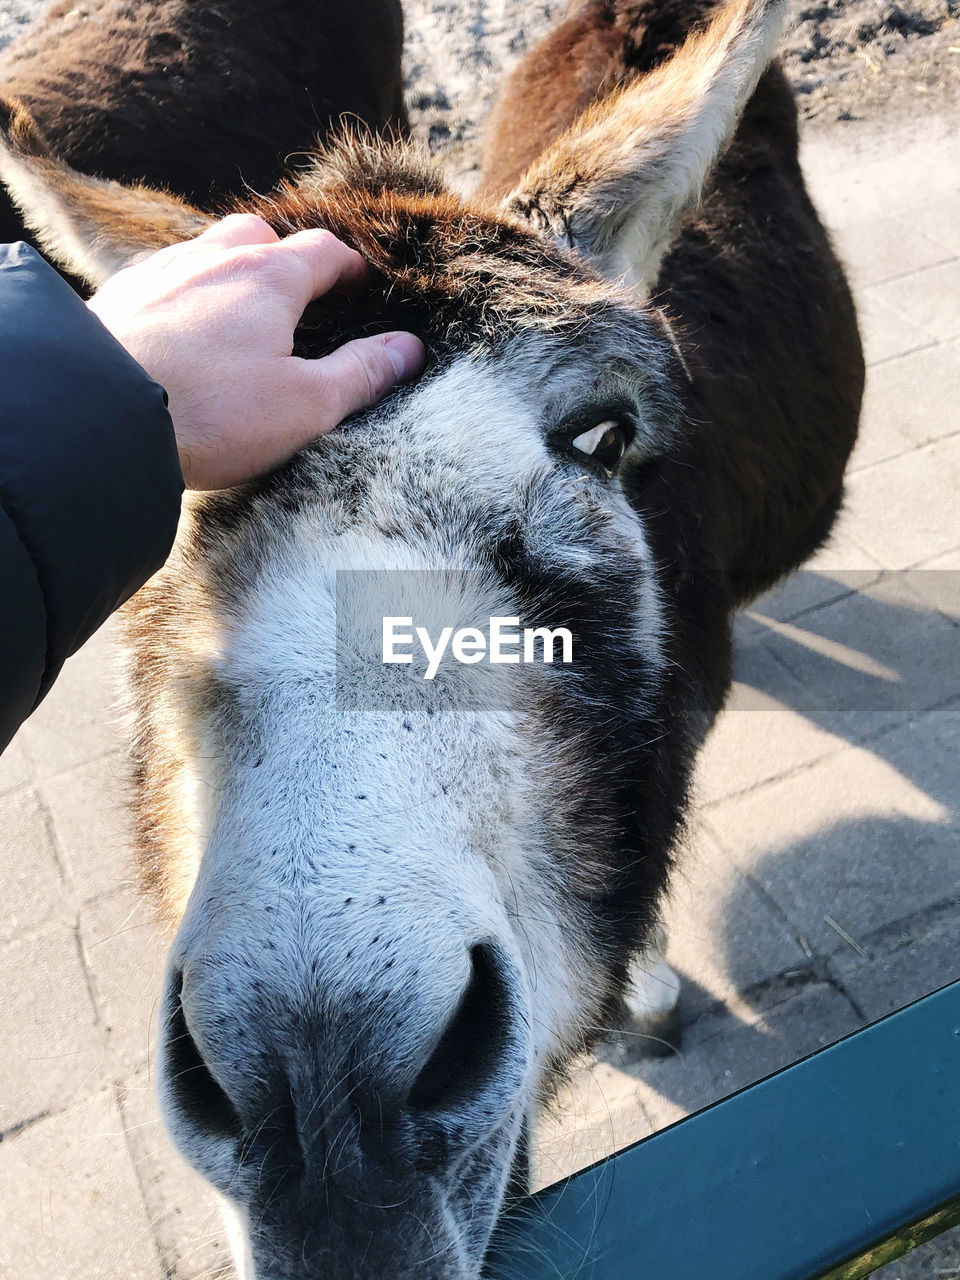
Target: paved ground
(822,883)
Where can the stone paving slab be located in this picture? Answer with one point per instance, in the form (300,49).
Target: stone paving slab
(15,769)
(749,748)
(53,1051)
(879,649)
(886,247)
(866,836)
(761,736)
(29,872)
(929,299)
(909,400)
(886,332)
(713,899)
(71,1203)
(907,510)
(816,585)
(182,1209)
(76,723)
(937,585)
(939,220)
(88,807)
(858,175)
(124,954)
(901,962)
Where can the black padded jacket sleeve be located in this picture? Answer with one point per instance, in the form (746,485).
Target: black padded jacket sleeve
(90,481)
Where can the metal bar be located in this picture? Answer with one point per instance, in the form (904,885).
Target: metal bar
(824,1171)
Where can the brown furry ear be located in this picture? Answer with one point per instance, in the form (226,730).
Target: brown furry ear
(91,226)
(615,185)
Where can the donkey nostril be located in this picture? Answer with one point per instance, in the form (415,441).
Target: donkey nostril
(192,1090)
(472,1051)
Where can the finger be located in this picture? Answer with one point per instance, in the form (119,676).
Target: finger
(354,377)
(236,230)
(323,263)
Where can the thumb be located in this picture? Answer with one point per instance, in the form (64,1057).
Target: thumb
(360,373)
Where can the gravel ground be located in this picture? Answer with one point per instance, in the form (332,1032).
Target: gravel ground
(13,13)
(848,59)
(855,59)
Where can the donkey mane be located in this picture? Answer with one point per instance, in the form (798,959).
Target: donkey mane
(443,265)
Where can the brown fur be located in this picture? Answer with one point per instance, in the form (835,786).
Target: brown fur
(202,100)
(758,299)
(88,230)
(598,47)
(443,265)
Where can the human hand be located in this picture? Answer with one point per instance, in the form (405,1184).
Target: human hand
(212,320)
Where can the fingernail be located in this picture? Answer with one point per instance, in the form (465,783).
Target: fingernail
(407,354)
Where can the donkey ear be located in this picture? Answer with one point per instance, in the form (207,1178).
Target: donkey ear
(615,185)
(91,226)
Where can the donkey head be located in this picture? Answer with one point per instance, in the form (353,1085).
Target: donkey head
(399,915)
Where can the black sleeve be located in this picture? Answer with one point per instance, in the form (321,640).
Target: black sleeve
(90,481)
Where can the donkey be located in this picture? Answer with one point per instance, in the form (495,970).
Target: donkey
(396,924)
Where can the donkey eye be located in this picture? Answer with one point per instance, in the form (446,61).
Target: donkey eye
(604,444)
